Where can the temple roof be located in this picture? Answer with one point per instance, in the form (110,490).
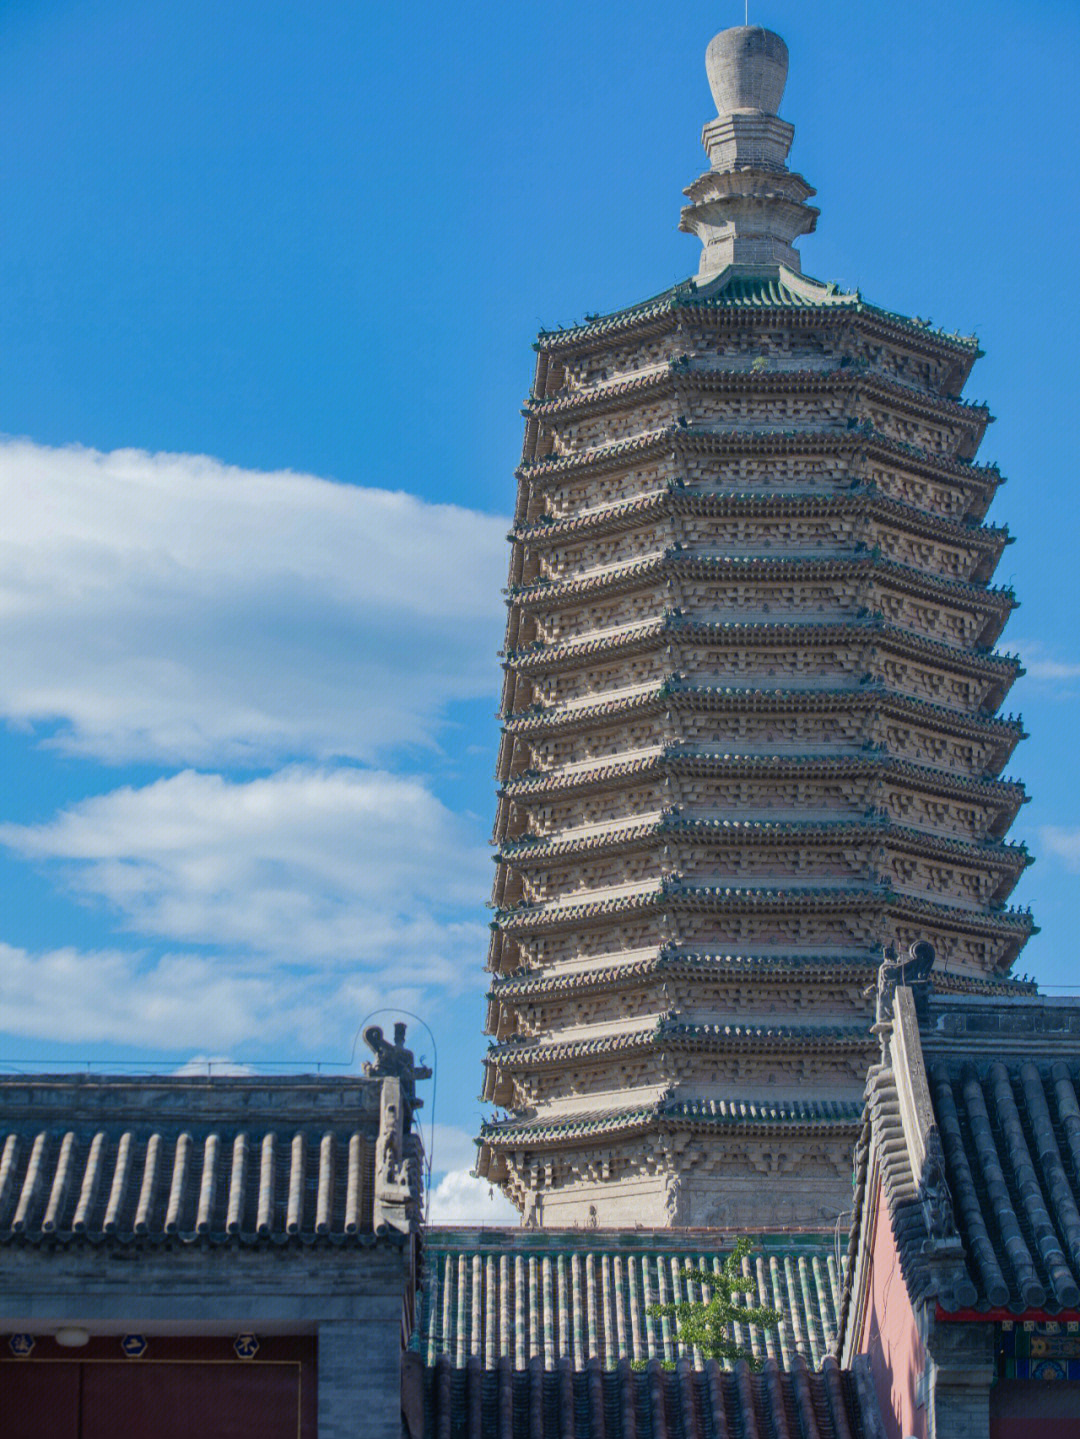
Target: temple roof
(672,625)
(1006,861)
(685,372)
(676,893)
(490,1292)
(87,1159)
(595,1404)
(974,1125)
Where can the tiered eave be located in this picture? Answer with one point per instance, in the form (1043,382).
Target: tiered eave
(751,732)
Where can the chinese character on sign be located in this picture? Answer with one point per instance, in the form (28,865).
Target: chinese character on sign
(246,1346)
(134,1345)
(21,1345)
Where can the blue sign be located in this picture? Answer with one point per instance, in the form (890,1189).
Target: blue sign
(134,1345)
(21,1345)
(246,1346)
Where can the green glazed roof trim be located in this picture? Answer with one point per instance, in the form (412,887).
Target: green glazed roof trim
(673,624)
(657,897)
(835,968)
(753,440)
(679,497)
(675,821)
(775,289)
(670,377)
(738,1113)
(701,564)
(686,759)
(677,693)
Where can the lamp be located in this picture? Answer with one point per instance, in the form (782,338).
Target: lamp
(71,1337)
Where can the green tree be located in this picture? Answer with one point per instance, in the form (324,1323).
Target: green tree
(706,1324)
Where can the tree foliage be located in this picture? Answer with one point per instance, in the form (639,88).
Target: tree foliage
(705,1323)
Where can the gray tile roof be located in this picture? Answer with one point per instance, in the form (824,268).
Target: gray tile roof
(671,895)
(988,1222)
(583,1294)
(668,1031)
(473,1403)
(1011,1136)
(683,758)
(105,1160)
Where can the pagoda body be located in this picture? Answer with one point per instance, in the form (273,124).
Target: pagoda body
(751,718)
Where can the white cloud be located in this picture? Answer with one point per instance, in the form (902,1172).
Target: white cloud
(71,996)
(458,1198)
(212,1065)
(174,1003)
(1063,843)
(1039,665)
(453,1148)
(306,865)
(174,608)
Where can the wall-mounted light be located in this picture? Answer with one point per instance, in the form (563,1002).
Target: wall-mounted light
(72,1338)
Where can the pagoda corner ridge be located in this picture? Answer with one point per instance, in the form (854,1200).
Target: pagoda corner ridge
(752,718)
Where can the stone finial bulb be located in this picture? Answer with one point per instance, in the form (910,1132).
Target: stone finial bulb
(747,69)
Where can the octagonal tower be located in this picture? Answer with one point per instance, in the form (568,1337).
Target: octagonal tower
(752,722)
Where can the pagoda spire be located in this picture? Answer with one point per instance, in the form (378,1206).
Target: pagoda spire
(748,208)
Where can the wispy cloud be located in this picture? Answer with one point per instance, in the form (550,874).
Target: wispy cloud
(178,1002)
(174,608)
(308,866)
(1041,665)
(1063,844)
(181,1003)
(274,643)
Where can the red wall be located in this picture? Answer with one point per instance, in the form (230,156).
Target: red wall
(890,1335)
(178,1388)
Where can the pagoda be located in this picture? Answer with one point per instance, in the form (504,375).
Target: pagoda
(752,726)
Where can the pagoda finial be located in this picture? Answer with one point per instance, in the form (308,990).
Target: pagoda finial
(748,208)
(747,69)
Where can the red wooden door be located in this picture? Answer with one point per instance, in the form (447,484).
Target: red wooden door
(176,1401)
(177,1389)
(39,1400)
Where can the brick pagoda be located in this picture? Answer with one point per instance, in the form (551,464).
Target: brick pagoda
(752,726)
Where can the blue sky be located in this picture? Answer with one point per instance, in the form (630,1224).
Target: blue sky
(269,277)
